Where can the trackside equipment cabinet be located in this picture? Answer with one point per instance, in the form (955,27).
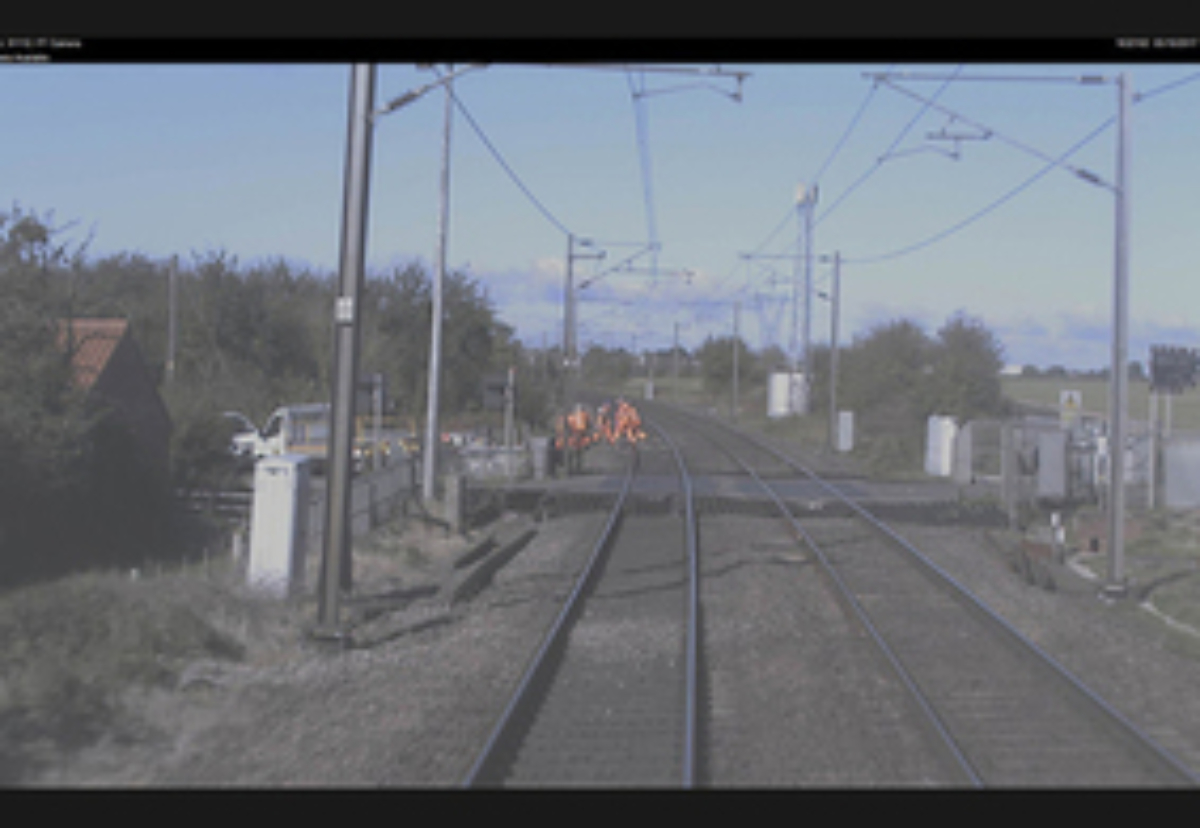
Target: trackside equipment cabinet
(279,522)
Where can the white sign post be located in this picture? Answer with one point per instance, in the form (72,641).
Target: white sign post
(1070,403)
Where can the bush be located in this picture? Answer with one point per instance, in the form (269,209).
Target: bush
(200,452)
(73,647)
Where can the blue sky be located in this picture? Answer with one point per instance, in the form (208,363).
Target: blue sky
(167,159)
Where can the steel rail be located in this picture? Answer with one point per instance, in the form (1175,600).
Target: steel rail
(692,680)
(1149,749)
(541,665)
(935,722)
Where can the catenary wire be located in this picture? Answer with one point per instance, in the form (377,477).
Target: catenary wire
(1024,185)
(787,216)
(862,108)
(1138,98)
(504,164)
(895,142)
(640,121)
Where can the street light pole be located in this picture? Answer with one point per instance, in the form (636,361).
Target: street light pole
(336,576)
(432,431)
(1116,585)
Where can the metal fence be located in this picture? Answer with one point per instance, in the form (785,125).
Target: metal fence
(375,498)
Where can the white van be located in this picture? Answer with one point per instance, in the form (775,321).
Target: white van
(295,429)
(305,429)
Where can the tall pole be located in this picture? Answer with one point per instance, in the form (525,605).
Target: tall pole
(172,314)
(675,364)
(805,199)
(509,399)
(432,405)
(569,324)
(572,304)
(336,575)
(737,308)
(1118,391)
(797,269)
(377,417)
(1152,473)
(810,201)
(835,313)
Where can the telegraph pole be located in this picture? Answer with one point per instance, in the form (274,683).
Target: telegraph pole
(335,570)
(172,314)
(432,431)
(835,312)
(510,392)
(1117,584)
(806,199)
(737,308)
(570,315)
(810,203)
(569,306)
(675,364)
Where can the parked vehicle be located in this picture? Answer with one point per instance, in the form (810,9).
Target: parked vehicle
(305,429)
(244,434)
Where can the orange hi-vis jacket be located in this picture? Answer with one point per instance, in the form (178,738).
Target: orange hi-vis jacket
(578,424)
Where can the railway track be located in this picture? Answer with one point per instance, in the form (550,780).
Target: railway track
(610,696)
(999,710)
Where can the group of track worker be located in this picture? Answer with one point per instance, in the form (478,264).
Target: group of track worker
(614,422)
(618,421)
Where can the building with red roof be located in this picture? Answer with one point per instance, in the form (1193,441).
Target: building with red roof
(108,365)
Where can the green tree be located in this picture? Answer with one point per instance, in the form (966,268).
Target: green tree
(42,418)
(716,365)
(396,335)
(607,367)
(885,380)
(72,491)
(966,360)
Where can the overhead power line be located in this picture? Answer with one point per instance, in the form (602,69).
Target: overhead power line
(1024,185)
(1166,87)
(988,132)
(637,95)
(895,142)
(816,178)
(508,169)
(790,212)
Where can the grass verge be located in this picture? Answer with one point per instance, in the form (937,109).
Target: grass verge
(79,650)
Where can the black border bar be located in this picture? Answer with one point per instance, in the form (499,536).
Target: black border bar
(67,48)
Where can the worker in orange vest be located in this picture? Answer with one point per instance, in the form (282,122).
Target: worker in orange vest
(621,421)
(562,442)
(578,424)
(628,423)
(603,429)
(633,422)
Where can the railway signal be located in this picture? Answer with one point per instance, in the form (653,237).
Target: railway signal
(1173,369)
(494,392)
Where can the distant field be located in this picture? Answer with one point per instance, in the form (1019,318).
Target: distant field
(1045,391)
(1035,390)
